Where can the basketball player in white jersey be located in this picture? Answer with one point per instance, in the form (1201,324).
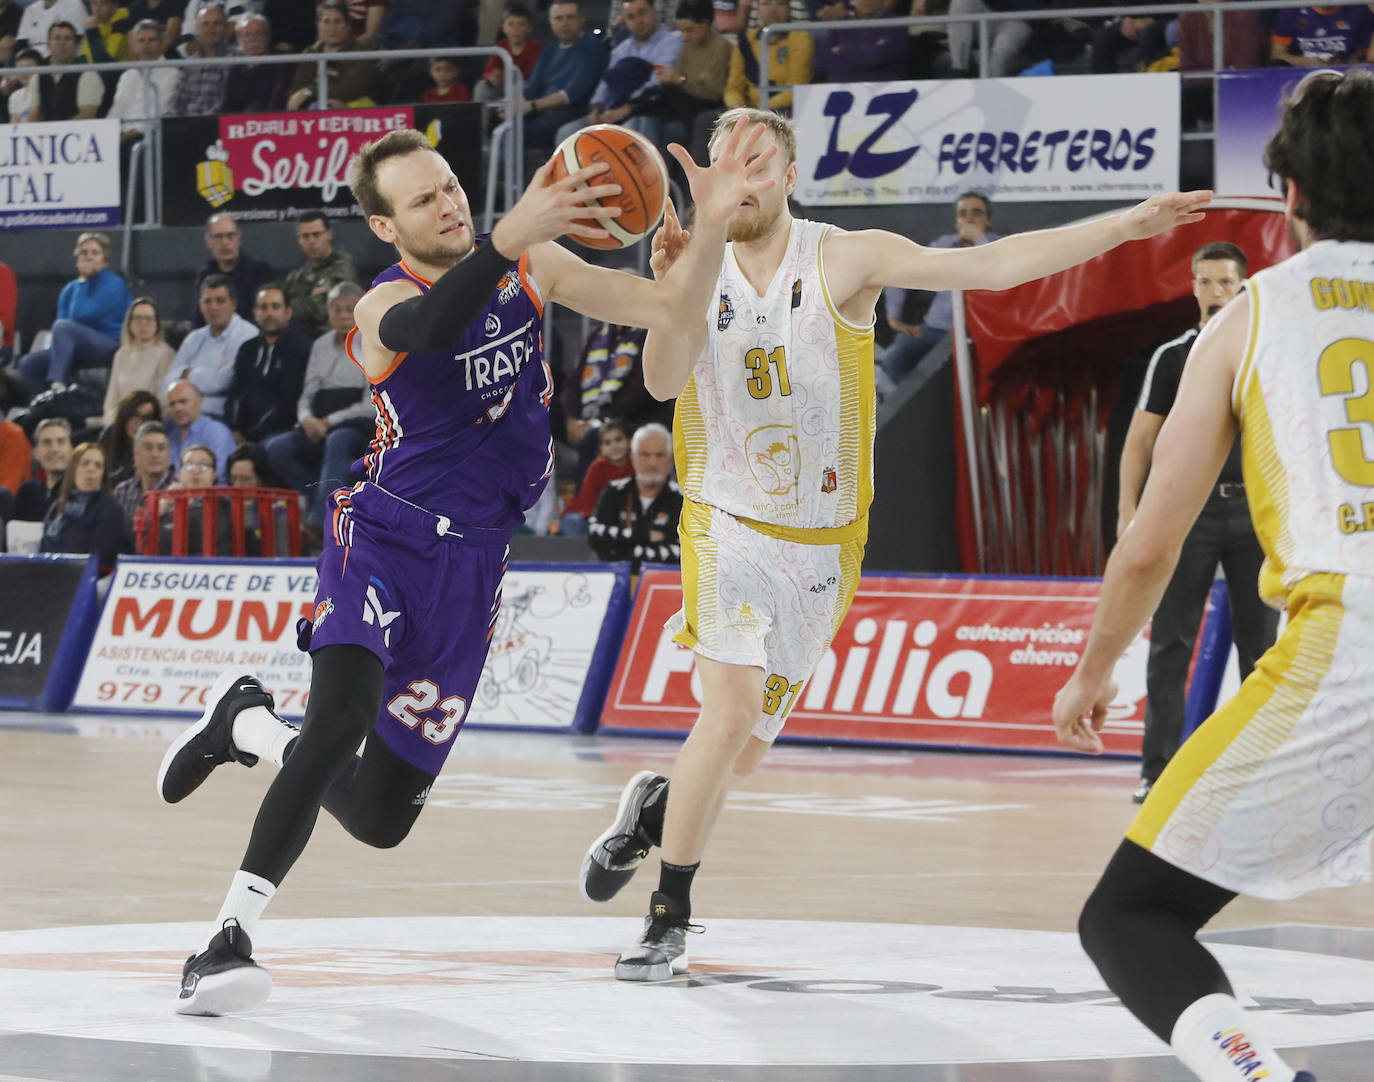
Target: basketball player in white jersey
(1274,795)
(774,449)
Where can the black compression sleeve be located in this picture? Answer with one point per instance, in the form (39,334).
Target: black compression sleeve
(435,321)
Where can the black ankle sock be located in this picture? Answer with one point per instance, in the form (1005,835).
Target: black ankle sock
(651,814)
(675,881)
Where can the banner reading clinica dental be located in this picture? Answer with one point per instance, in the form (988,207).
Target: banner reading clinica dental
(59,175)
(1067,137)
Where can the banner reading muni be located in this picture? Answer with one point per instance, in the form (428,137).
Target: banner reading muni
(1071,137)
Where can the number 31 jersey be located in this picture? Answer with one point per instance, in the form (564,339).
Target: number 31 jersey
(776,422)
(1305,401)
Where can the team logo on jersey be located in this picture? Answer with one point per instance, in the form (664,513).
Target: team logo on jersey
(323,609)
(828,480)
(725,313)
(507,288)
(774,458)
(492,325)
(796,294)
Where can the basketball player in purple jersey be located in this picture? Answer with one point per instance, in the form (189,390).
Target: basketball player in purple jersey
(410,578)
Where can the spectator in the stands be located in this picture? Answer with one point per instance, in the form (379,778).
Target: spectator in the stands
(152,469)
(1318,37)
(85,517)
(335,415)
(143,359)
(73,96)
(38,19)
(518,29)
(200,87)
(611,464)
(912,341)
(565,77)
(187,424)
(16,463)
(256,88)
(308,286)
(352,83)
(268,371)
(443,73)
(90,313)
(617,28)
(10,11)
(107,29)
(1008,38)
(293,25)
(1246,44)
(206,356)
(23,100)
(854,53)
(249,468)
(636,517)
(1130,43)
(133,104)
(167,14)
(691,92)
(418,24)
(789,61)
(630,72)
(52,450)
(228,258)
(135,410)
(364,19)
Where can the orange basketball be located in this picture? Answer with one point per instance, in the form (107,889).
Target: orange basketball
(636,165)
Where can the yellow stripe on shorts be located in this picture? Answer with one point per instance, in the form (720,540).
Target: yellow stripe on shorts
(699,567)
(1233,744)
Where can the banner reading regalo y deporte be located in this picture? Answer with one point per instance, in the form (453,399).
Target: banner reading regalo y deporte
(1070,137)
(59,175)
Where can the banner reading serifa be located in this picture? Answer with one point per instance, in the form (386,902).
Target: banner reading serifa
(60,175)
(272,167)
(1069,137)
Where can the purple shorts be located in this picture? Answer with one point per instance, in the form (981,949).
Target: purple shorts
(422,594)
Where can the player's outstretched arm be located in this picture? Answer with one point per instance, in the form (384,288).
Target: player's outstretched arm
(1192,445)
(872,258)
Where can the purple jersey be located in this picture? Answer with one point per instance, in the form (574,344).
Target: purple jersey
(465,434)
(1337,34)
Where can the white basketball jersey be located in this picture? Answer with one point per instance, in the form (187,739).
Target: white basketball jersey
(776,422)
(1305,399)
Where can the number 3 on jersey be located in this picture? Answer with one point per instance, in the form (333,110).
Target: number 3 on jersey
(759,380)
(1336,375)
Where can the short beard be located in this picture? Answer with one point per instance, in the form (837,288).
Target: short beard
(744,232)
(433,253)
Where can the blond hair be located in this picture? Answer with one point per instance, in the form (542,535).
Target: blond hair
(362,170)
(100,239)
(780,126)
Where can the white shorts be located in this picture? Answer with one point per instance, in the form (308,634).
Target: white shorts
(752,599)
(1273,796)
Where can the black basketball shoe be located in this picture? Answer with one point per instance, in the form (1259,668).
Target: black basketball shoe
(661,951)
(611,861)
(210,741)
(223,978)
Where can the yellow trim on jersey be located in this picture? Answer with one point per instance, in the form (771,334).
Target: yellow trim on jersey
(856,531)
(825,292)
(689,437)
(698,568)
(851,567)
(1266,488)
(1246,367)
(1234,742)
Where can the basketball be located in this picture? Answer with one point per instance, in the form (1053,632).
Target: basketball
(636,165)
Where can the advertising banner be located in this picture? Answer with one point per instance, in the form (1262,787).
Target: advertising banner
(274,166)
(1248,105)
(45,627)
(169,627)
(1072,137)
(952,662)
(62,174)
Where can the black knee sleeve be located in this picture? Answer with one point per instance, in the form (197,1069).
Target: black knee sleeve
(378,798)
(1139,926)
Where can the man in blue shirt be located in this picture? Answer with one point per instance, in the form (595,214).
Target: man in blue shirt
(187,425)
(631,71)
(206,355)
(563,80)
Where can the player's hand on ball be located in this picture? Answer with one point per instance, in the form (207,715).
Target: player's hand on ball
(670,241)
(1080,712)
(1160,213)
(549,210)
(740,171)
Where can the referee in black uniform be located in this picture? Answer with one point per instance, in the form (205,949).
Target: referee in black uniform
(1222,534)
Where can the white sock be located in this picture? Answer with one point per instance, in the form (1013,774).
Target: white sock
(260,732)
(1214,1039)
(247,898)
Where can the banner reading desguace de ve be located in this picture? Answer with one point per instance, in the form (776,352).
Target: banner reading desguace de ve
(959,662)
(59,175)
(1072,137)
(169,628)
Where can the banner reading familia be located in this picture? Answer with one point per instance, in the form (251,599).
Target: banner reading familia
(59,175)
(276,166)
(1070,137)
